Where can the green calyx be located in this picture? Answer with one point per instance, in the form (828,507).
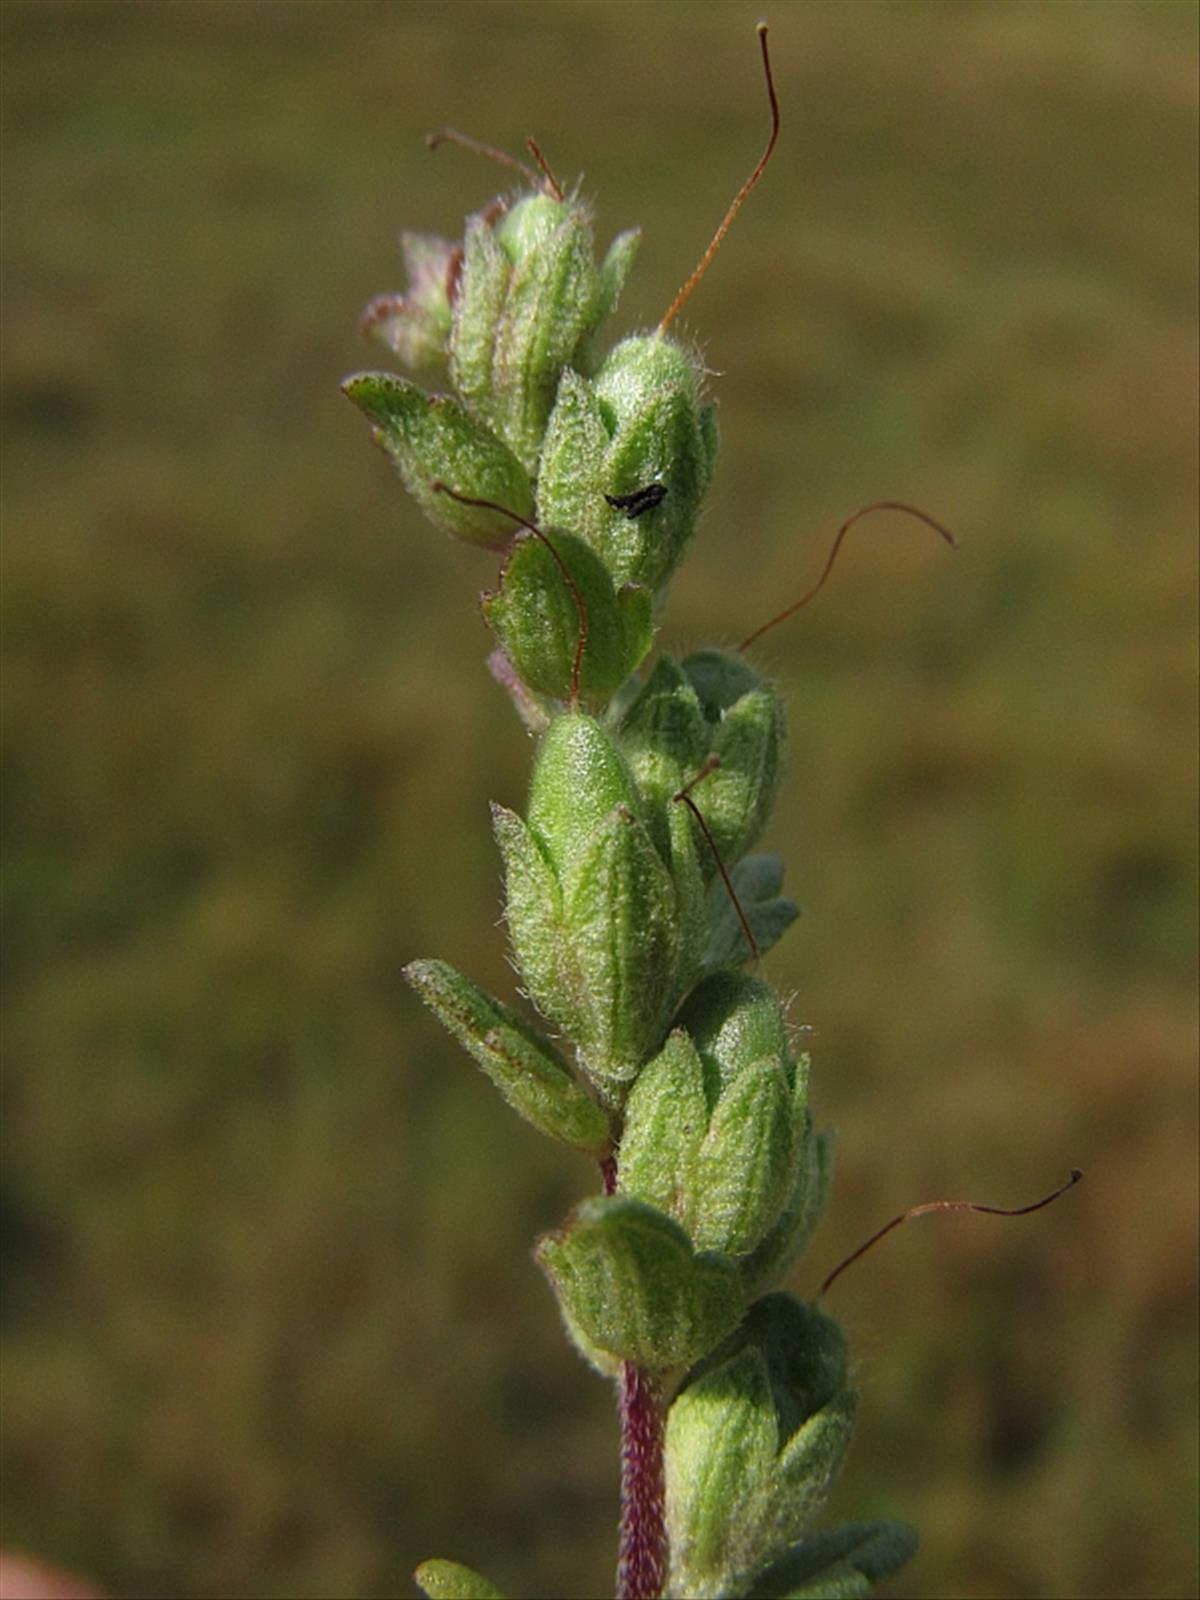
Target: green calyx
(639,425)
(530,297)
(735,1020)
(753,1443)
(710,705)
(545,585)
(717,1130)
(630,1280)
(607,928)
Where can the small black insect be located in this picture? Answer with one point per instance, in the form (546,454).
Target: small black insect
(639,500)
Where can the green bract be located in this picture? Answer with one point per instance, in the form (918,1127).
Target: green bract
(526,1069)
(631,900)
(757,881)
(433,439)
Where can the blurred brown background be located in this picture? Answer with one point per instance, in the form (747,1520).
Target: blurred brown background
(271,1325)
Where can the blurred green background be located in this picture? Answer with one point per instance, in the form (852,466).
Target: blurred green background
(271,1325)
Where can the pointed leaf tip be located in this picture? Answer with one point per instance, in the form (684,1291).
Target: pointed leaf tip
(450,1580)
(837,1562)
(527,1070)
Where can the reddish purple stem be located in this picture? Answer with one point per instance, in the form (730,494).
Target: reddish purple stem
(642,1569)
(642,1566)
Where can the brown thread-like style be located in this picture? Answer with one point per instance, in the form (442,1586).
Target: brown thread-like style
(946,1205)
(684,797)
(556,189)
(488,151)
(863,511)
(739,199)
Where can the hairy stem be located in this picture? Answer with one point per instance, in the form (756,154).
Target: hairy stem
(642,1568)
(642,1565)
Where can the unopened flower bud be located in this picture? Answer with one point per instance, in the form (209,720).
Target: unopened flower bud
(745,727)
(416,324)
(530,296)
(714,1125)
(606,928)
(639,425)
(753,1443)
(711,704)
